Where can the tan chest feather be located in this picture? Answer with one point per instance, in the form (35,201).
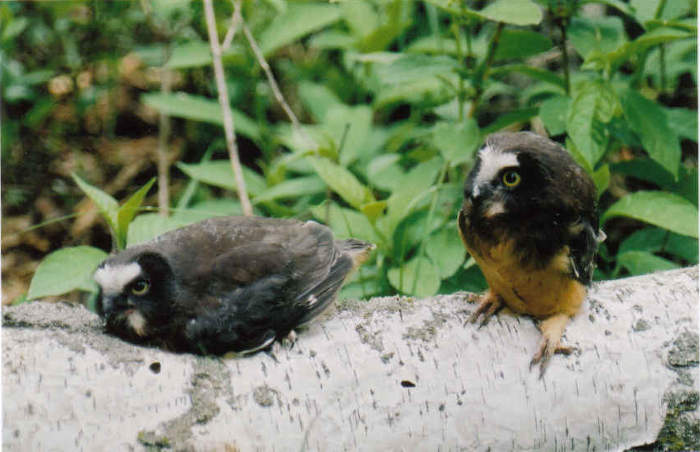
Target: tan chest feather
(538,292)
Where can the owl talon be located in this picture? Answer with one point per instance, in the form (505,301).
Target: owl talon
(546,351)
(489,305)
(290,340)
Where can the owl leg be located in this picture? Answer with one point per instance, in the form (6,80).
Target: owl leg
(290,340)
(552,329)
(489,304)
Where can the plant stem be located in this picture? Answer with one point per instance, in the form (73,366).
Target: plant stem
(482,71)
(564,56)
(229,127)
(164,128)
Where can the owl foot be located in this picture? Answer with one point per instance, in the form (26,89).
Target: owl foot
(552,329)
(489,305)
(290,340)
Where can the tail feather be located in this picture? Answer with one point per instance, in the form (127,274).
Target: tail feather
(351,254)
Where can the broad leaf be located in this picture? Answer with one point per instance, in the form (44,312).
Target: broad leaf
(65,270)
(107,205)
(665,210)
(521,44)
(342,181)
(345,223)
(220,174)
(199,108)
(297,21)
(553,113)
(601,35)
(150,225)
(684,122)
(317,98)
(513,117)
(650,122)
(292,188)
(592,107)
(220,207)
(417,277)
(445,248)
(128,211)
(516,12)
(642,262)
(349,127)
(457,142)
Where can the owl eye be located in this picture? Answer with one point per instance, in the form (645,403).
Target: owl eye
(140,287)
(511,178)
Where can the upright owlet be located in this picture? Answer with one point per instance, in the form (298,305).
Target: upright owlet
(529,221)
(225,284)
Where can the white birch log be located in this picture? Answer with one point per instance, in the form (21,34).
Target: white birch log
(388,374)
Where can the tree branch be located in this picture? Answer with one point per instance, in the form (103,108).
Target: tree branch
(385,374)
(229,127)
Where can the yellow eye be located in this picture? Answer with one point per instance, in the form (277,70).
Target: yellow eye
(511,179)
(140,287)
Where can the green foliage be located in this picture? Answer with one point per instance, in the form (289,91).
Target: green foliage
(117,217)
(394,99)
(65,270)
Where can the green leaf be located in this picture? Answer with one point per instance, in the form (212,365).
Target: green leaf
(601,178)
(656,240)
(665,210)
(593,106)
(108,206)
(457,142)
(417,277)
(641,262)
(317,98)
(299,20)
(128,211)
(553,113)
(645,169)
(645,10)
(385,172)
(65,270)
(414,186)
(342,181)
(602,35)
(345,223)
(510,118)
(521,44)
(445,248)
(207,209)
(516,12)
(360,16)
(190,54)
(684,122)
(292,188)
(199,108)
(533,72)
(650,122)
(349,127)
(220,174)
(148,226)
(13,27)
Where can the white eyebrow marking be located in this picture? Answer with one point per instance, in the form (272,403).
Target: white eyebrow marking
(492,162)
(113,279)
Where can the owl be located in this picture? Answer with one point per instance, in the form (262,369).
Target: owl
(529,220)
(224,284)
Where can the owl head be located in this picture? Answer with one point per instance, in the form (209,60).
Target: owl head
(134,289)
(523,178)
